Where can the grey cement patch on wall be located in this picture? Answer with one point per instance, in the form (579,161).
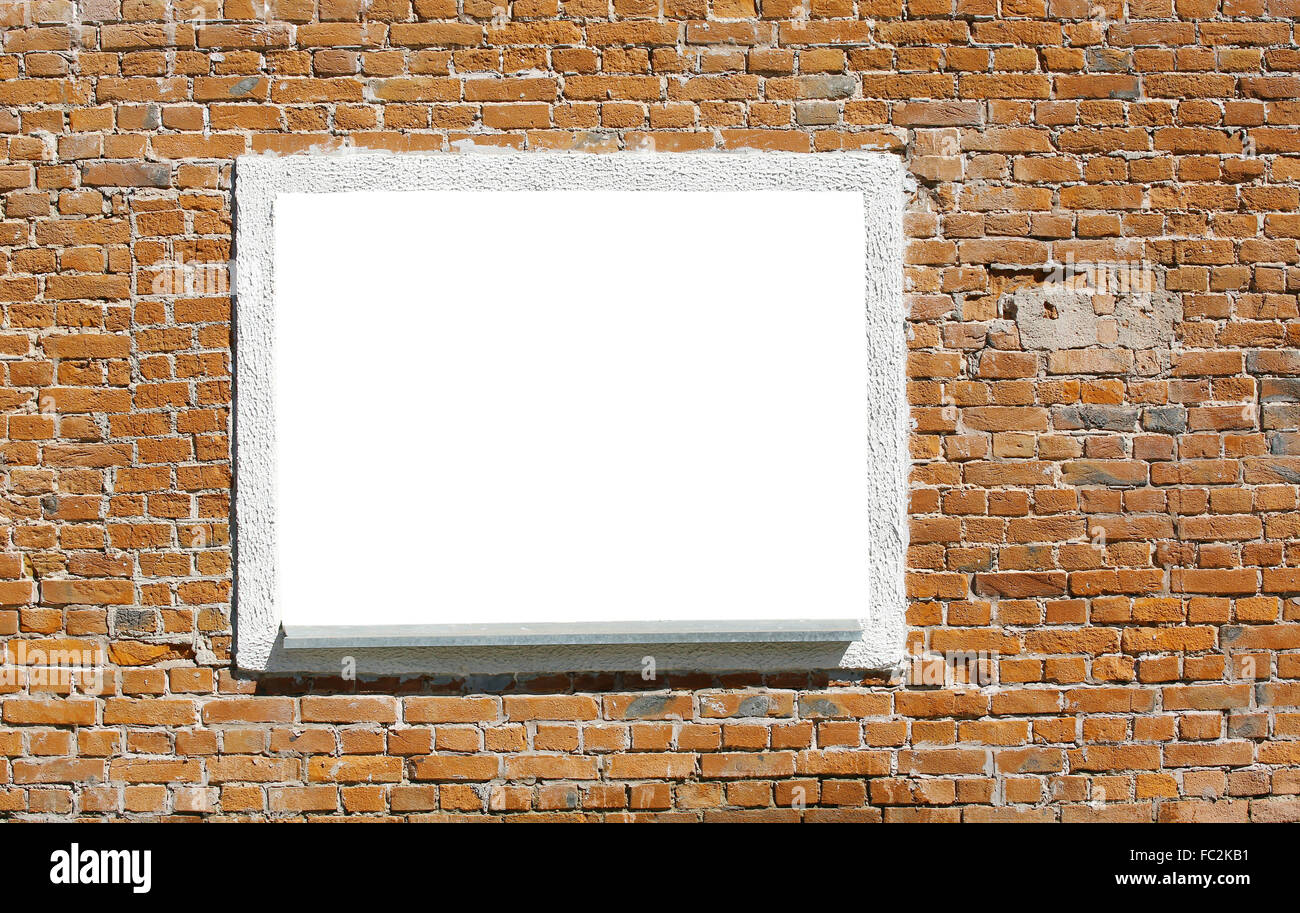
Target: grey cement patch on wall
(1058,317)
(259,640)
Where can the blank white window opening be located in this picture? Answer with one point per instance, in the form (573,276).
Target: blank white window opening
(514,398)
(505,407)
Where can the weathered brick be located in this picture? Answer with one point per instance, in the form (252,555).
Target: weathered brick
(1101,512)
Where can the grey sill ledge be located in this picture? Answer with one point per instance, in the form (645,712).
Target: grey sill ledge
(324,637)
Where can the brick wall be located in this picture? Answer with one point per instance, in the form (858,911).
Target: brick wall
(1105,488)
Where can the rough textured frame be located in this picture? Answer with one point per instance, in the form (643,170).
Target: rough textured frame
(259,179)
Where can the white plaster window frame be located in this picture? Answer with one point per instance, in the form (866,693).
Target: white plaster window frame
(873,641)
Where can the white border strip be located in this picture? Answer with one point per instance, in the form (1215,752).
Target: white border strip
(259,179)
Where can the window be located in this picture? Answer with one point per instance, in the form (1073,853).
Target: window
(571,403)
